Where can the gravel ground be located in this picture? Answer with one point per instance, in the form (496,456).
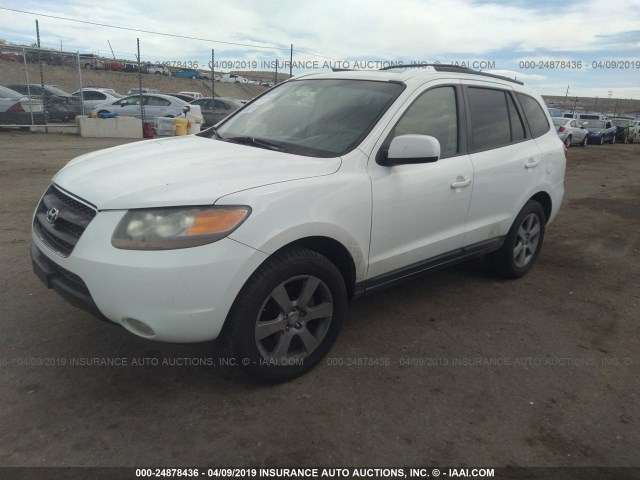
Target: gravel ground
(459,368)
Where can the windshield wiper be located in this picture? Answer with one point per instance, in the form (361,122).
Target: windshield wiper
(258,142)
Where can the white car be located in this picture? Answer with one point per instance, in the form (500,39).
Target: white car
(195,95)
(155,105)
(325,188)
(231,78)
(92,97)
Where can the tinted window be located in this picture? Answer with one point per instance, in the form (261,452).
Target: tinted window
(433,113)
(517,128)
(489,118)
(538,123)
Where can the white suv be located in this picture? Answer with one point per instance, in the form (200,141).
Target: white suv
(325,188)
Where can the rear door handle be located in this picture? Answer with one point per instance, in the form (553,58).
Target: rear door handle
(460,182)
(531,163)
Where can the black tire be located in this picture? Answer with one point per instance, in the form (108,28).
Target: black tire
(277,304)
(522,244)
(584,141)
(613,139)
(567,141)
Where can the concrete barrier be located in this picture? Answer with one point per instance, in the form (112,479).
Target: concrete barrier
(118,127)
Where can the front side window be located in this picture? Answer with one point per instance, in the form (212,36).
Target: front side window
(319,118)
(433,113)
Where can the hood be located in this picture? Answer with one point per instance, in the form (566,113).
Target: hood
(180,171)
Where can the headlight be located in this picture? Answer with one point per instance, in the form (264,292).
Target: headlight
(181,227)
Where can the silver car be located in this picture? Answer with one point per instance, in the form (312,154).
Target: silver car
(571,131)
(92,97)
(216,109)
(155,105)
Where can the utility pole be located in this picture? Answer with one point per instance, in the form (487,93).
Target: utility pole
(291,62)
(564,104)
(213,78)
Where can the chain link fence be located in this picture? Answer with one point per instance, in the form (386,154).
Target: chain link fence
(31,92)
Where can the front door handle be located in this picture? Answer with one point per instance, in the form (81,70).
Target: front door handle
(531,163)
(460,182)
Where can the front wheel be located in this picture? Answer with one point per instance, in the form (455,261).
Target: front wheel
(584,141)
(522,244)
(287,316)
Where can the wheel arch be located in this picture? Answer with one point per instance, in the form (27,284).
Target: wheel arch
(544,199)
(333,250)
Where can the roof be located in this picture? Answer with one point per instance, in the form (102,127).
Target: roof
(408,72)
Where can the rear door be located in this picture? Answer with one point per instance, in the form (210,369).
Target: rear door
(507,163)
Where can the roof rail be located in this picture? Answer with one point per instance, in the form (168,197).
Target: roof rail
(443,67)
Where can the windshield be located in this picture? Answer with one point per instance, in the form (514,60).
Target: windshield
(597,124)
(622,122)
(319,118)
(8,93)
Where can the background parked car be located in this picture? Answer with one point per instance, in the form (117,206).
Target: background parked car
(136,91)
(92,97)
(155,105)
(215,109)
(18,109)
(188,74)
(625,130)
(182,96)
(571,131)
(601,131)
(232,78)
(91,61)
(156,69)
(114,66)
(60,105)
(193,94)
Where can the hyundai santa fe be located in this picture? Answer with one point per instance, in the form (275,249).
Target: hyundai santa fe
(324,188)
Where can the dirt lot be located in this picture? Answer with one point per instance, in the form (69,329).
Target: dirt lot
(543,371)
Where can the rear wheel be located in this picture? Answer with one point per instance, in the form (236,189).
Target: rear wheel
(522,244)
(287,316)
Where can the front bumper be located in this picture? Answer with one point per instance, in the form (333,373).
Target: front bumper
(180,295)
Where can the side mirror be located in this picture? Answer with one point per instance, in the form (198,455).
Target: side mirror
(411,149)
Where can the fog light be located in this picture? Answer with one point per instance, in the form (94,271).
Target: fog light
(137,327)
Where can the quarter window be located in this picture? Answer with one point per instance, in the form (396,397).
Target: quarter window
(538,123)
(433,113)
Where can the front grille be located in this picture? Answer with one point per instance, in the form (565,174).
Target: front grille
(60,220)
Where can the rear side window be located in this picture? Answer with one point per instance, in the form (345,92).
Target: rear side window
(538,123)
(489,118)
(517,128)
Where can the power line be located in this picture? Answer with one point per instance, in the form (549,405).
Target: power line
(161,33)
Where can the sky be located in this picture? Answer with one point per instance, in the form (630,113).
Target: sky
(591,47)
